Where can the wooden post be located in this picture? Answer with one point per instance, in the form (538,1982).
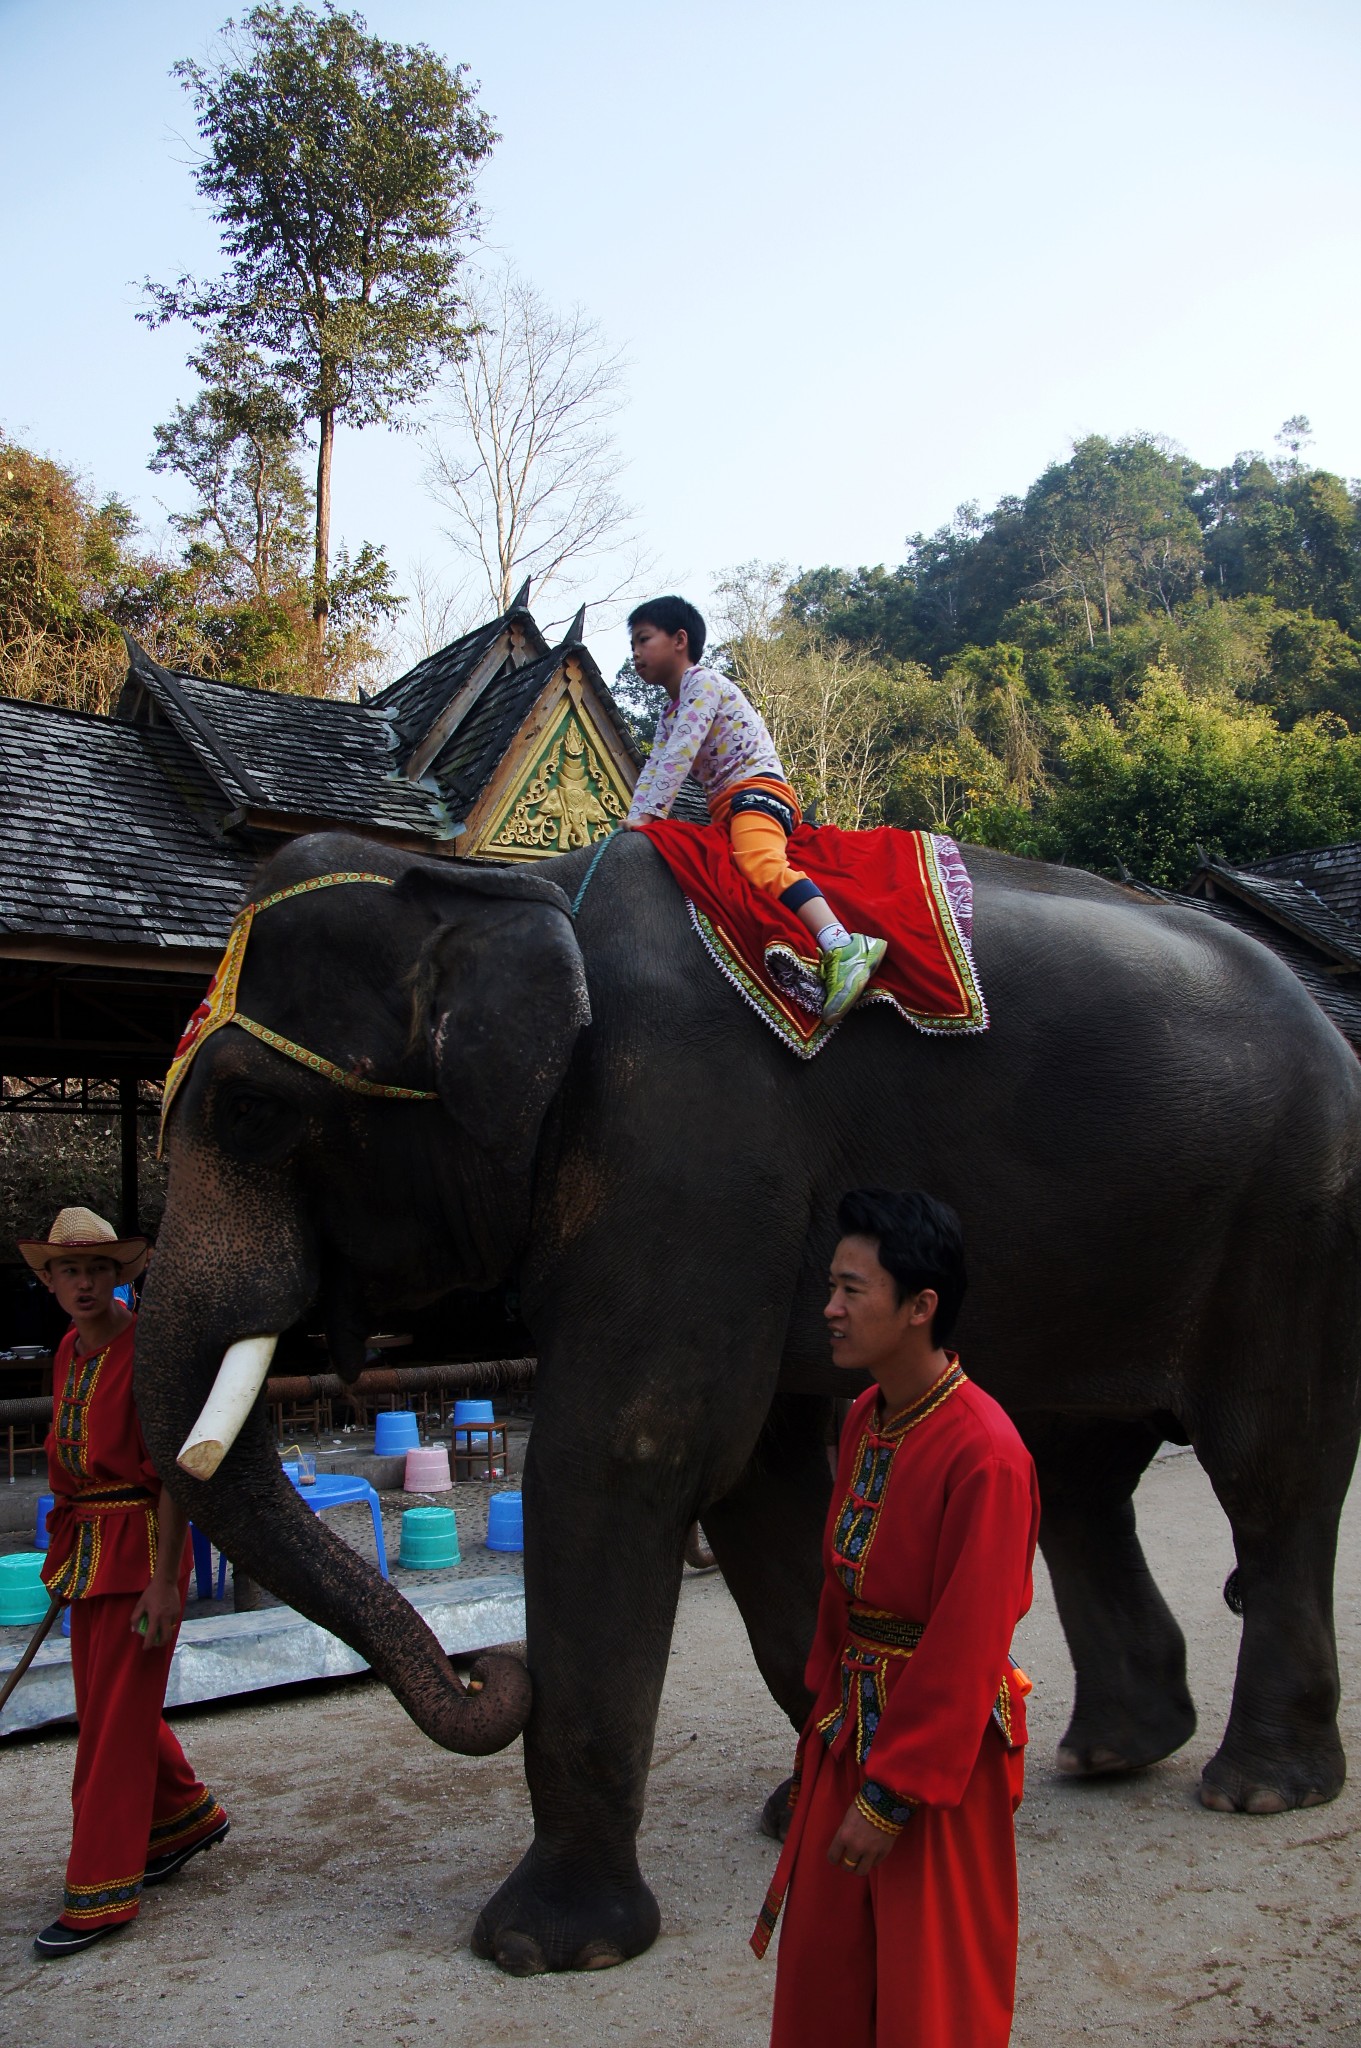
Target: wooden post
(127,1122)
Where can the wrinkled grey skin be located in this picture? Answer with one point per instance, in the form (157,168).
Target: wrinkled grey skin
(1155,1152)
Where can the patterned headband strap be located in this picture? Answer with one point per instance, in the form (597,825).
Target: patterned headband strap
(218,1008)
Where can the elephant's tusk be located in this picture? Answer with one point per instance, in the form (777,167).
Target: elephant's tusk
(240,1377)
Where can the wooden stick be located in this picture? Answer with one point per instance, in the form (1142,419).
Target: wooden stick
(35,1644)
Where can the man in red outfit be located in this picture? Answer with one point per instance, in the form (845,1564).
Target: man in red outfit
(898,1875)
(119,1552)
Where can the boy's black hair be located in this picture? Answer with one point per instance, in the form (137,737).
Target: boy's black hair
(672,615)
(920,1243)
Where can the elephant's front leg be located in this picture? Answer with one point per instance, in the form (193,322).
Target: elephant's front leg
(605,1523)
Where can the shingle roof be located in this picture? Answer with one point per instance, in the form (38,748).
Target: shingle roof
(1339,998)
(1287,902)
(309,757)
(411,704)
(1332,872)
(96,845)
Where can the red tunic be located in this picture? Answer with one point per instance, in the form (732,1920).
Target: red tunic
(134,1794)
(103,1527)
(919,1717)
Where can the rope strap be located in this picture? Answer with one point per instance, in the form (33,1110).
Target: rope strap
(596,859)
(328,1068)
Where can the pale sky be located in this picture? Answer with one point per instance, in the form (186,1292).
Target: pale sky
(867,260)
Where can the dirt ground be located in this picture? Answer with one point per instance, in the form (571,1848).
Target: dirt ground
(339,1910)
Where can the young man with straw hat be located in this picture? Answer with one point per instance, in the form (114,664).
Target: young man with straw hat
(119,1552)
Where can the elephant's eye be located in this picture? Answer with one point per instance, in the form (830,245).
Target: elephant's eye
(252,1125)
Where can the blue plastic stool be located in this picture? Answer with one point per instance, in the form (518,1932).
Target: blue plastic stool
(42,1535)
(505,1522)
(203,1566)
(343,1490)
(394,1432)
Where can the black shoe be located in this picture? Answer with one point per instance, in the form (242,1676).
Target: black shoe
(57,1940)
(162,1867)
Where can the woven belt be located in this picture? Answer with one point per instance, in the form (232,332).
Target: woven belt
(884,1634)
(106,1500)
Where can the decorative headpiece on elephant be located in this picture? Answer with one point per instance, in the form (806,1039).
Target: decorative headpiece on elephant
(1156,1152)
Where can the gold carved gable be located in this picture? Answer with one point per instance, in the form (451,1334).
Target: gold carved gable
(571,796)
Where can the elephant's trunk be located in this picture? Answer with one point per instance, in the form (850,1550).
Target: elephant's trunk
(280,1542)
(250,1510)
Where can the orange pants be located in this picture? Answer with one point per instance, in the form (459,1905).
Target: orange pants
(133,1794)
(759,844)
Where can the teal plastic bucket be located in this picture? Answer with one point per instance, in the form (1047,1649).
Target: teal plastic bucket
(23,1596)
(429,1540)
(505,1522)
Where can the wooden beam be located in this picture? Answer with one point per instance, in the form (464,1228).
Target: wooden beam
(601,725)
(294,824)
(456,710)
(68,952)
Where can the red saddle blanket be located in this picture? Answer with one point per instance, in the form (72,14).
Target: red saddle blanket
(910,888)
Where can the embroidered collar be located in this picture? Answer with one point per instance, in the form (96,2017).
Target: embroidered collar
(890,1427)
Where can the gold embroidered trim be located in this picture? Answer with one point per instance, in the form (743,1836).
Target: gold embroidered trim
(218,1009)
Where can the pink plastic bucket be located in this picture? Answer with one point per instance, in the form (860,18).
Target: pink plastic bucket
(427,1471)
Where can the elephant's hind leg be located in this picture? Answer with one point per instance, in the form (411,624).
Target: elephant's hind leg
(1131,1706)
(767,1535)
(1281,1748)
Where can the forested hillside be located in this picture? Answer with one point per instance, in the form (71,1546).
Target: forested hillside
(1139,656)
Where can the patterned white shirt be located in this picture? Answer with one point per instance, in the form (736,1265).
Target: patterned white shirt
(712,732)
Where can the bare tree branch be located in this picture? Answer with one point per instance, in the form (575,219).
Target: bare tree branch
(522,454)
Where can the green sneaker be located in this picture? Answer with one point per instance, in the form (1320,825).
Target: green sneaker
(845,972)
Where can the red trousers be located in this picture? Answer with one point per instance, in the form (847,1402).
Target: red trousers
(133,1794)
(922,1952)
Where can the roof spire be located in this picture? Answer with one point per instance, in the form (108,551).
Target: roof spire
(521,597)
(578,626)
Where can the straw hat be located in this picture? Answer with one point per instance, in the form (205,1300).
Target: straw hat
(80,1230)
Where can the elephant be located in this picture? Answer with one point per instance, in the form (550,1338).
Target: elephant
(1155,1150)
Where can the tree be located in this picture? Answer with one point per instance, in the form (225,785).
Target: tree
(247,586)
(522,454)
(829,708)
(1111,520)
(70,575)
(236,447)
(339,169)
(1173,773)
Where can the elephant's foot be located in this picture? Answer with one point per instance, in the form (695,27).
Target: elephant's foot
(1252,1786)
(777,1812)
(564,1918)
(1101,1747)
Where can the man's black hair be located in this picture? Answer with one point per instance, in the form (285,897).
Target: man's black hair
(672,615)
(920,1243)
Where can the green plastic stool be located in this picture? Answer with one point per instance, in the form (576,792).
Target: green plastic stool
(23,1596)
(429,1540)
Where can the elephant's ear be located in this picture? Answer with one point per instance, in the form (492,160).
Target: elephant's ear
(500,996)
